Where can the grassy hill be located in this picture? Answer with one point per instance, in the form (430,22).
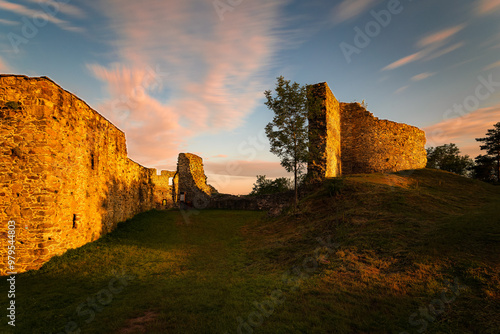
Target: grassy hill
(406,252)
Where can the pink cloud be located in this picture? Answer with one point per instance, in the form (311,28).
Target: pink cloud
(26,11)
(463,130)
(216,70)
(349,9)
(488,6)
(440,36)
(404,61)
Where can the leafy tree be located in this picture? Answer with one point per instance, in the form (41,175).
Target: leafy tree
(287,132)
(484,169)
(447,157)
(265,186)
(492,147)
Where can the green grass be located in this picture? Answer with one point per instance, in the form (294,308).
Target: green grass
(394,240)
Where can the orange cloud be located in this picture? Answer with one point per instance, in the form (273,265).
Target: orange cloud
(463,130)
(403,61)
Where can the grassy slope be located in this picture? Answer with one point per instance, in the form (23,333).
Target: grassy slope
(398,238)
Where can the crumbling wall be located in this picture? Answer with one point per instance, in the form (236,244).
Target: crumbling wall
(372,145)
(324,133)
(65,177)
(193,181)
(165,194)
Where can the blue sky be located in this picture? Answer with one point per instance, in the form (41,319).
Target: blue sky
(189,76)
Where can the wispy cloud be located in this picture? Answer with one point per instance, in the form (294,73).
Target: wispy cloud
(216,69)
(401,89)
(422,76)
(404,61)
(27,11)
(431,46)
(8,22)
(349,9)
(492,66)
(463,130)
(487,6)
(440,36)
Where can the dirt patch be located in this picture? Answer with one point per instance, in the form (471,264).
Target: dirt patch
(139,324)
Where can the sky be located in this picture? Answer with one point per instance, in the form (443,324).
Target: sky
(190,76)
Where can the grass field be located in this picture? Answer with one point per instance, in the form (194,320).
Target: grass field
(415,252)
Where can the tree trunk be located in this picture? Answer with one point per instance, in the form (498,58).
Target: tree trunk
(295,182)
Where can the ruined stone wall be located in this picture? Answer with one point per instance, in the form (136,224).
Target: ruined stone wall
(372,145)
(324,133)
(193,181)
(65,177)
(165,185)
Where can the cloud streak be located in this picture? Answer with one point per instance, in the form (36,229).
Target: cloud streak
(349,9)
(463,130)
(27,11)
(487,6)
(216,70)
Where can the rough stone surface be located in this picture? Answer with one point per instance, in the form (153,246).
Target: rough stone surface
(65,177)
(346,139)
(324,134)
(192,181)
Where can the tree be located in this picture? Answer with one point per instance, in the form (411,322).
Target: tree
(265,186)
(447,157)
(492,147)
(484,169)
(287,132)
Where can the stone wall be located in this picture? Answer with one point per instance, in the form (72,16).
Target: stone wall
(372,145)
(193,181)
(324,133)
(345,139)
(65,177)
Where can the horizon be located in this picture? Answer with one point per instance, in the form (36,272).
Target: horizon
(190,77)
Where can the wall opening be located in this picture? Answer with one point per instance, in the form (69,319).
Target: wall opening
(92,162)
(74,220)
(170,181)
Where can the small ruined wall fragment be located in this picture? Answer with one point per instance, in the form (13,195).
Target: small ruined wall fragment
(372,145)
(193,181)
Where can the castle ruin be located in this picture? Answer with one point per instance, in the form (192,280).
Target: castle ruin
(66,179)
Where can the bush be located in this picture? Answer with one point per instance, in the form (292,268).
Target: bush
(12,105)
(334,186)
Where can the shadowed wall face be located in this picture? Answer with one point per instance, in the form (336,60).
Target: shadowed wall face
(65,177)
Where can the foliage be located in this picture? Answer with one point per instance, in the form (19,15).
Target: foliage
(334,186)
(492,148)
(12,105)
(447,157)
(287,132)
(265,186)
(484,169)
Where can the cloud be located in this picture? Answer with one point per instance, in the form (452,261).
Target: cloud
(217,70)
(431,47)
(422,76)
(463,130)
(8,22)
(444,51)
(487,6)
(401,89)
(492,66)
(404,61)
(440,36)
(238,176)
(26,11)
(349,9)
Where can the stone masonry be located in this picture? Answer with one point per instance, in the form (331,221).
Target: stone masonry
(345,138)
(65,177)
